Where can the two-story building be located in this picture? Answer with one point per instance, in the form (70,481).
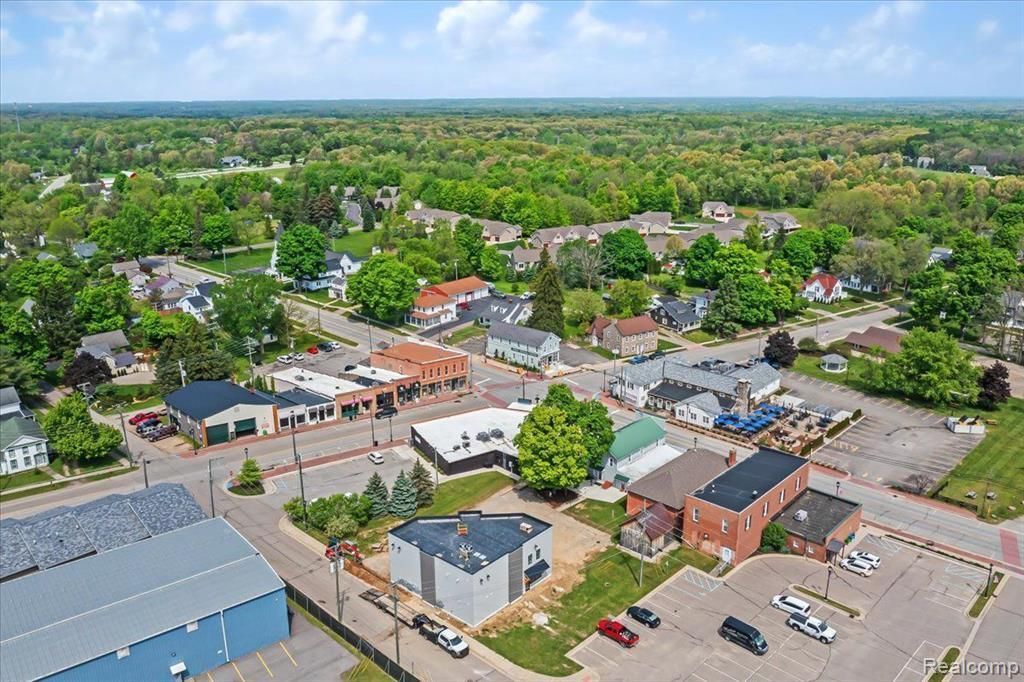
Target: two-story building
(717,210)
(336,264)
(462,290)
(23,445)
(434,370)
(823,288)
(431,309)
(772,223)
(663,382)
(522,346)
(498,232)
(631,336)
(638,448)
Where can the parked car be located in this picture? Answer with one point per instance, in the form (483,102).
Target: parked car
(642,615)
(141,417)
(812,627)
(638,360)
(335,345)
(141,426)
(866,557)
(447,639)
(325,346)
(298,357)
(528,296)
(284,359)
(386,412)
(375,457)
(790,604)
(856,566)
(617,632)
(313,350)
(656,354)
(747,636)
(464,305)
(162,432)
(145,431)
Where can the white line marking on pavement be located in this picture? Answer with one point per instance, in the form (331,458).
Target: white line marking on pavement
(483,381)
(721,671)
(783,671)
(570,381)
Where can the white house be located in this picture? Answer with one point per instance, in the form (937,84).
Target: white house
(856,283)
(10,404)
(717,210)
(773,223)
(335,265)
(23,445)
(823,288)
(196,306)
(431,309)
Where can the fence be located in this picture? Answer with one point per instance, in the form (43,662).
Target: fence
(364,647)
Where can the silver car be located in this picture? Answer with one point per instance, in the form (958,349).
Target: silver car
(866,557)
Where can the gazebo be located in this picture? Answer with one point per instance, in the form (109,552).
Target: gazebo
(833,362)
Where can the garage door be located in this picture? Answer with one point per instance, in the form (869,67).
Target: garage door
(245,427)
(216,434)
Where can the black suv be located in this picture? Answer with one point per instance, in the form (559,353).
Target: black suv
(642,615)
(386,412)
(324,347)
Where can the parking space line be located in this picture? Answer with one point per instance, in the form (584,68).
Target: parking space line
(237,671)
(676,601)
(721,671)
(782,671)
(288,654)
(695,676)
(209,676)
(601,656)
(269,672)
(942,603)
(805,652)
(790,658)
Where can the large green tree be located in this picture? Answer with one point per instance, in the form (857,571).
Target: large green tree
(247,305)
(629,298)
(931,367)
(104,307)
(552,454)
(591,416)
(548,314)
(384,287)
(300,251)
(700,259)
(403,497)
(625,254)
(74,435)
(468,237)
(194,348)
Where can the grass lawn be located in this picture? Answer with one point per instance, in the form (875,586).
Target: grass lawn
(23,478)
(603,352)
(951,655)
(808,217)
(842,306)
(132,396)
(842,607)
(609,586)
(698,336)
(357,243)
(994,465)
(606,516)
(862,311)
(511,287)
(18,494)
(572,331)
(979,604)
(465,334)
(808,364)
(320,295)
(242,260)
(666,345)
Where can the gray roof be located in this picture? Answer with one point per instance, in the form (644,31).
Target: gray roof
(297,396)
(197,302)
(722,380)
(205,288)
(491,536)
(9,396)
(85,249)
(61,534)
(824,513)
(57,619)
(114,340)
(833,359)
(706,402)
(745,483)
(13,428)
(681,394)
(125,359)
(517,334)
(671,482)
(202,399)
(125,266)
(683,312)
(27,306)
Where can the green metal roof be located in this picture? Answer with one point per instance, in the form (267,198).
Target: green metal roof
(13,428)
(635,436)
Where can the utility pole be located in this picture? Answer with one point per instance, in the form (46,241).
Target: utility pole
(127,447)
(181,371)
(145,470)
(336,566)
(298,461)
(524,386)
(394,607)
(209,467)
(369,331)
(391,431)
(828,580)
(988,583)
(643,536)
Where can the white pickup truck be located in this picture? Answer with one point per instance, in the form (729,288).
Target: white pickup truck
(447,639)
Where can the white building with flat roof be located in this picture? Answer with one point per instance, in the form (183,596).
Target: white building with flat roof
(470,440)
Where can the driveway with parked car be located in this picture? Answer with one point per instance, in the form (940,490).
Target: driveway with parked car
(911,608)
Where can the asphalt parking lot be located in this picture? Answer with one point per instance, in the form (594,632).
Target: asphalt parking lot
(912,608)
(892,442)
(306,656)
(344,476)
(1000,637)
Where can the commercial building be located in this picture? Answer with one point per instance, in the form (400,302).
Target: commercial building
(819,525)
(744,384)
(433,370)
(212,412)
(430,309)
(522,346)
(165,608)
(462,290)
(889,340)
(632,336)
(357,390)
(471,565)
(726,516)
(471,440)
(638,448)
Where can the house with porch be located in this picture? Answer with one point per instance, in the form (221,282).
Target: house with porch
(23,445)
(522,346)
(823,288)
(431,309)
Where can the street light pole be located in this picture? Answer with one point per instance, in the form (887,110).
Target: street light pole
(246,453)
(209,467)
(524,386)
(391,430)
(127,447)
(373,433)
(298,461)
(394,608)
(145,470)
(828,580)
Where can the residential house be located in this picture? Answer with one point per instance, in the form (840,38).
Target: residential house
(336,264)
(632,336)
(471,565)
(889,340)
(429,216)
(172,299)
(161,284)
(212,412)
(980,171)
(695,406)
(232,161)
(10,404)
(638,448)
(27,306)
(823,288)
(85,250)
(498,232)
(125,266)
(137,281)
(23,445)
(462,290)
(196,306)
(522,346)
(555,236)
(386,197)
(773,223)
(1013,310)
(648,384)
(113,349)
(940,254)
(650,222)
(352,212)
(435,370)
(656,245)
(680,316)
(44,256)
(521,259)
(855,282)
(717,210)
(207,140)
(924,162)
(431,309)
(725,232)
(339,288)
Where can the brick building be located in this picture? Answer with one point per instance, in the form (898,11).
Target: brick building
(435,370)
(632,336)
(819,525)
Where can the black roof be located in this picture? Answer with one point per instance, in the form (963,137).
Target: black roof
(202,399)
(683,312)
(297,396)
(489,536)
(205,288)
(676,393)
(743,484)
(824,513)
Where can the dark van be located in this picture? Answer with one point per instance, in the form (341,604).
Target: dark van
(747,636)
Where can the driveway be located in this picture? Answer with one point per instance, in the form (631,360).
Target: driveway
(574,355)
(892,442)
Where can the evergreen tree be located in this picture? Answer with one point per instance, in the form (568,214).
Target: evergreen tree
(249,476)
(199,356)
(994,386)
(323,211)
(377,491)
(423,484)
(780,349)
(548,314)
(403,497)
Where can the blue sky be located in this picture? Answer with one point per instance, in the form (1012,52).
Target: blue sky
(235,49)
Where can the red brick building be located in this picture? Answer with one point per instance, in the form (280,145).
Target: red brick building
(435,370)
(819,524)
(632,336)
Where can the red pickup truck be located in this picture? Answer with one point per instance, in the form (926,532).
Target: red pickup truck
(141,417)
(617,632)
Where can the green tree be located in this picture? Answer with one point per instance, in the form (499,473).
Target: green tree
(581,264)
(128,233)
(700,259)
(403,497)
(19,336)
(383,286)
(591,416)
(931,367)
(216,231)
(85,369)
(552,455)
(300,251)
(752,236)
(994,386)
(17,371)
(493,265)
(773,538)
(469,238)
(625,254)
(733,261)
(199,356)
(104,308)
(172,223)
(548,314)
(249,475)
(54,317)
(423,484)
(377,491)
(629,298)
(833,239)
(803,250)
(247,305)
(342,527)
(323,211)
(74,435)
(781,349)
(582,306)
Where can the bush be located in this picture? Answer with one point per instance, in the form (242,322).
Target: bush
(250,476)
(856,299)
(808,345)
(837,427)
(342,527)
(773,538)
(856,414)
(813,445)
(323,510)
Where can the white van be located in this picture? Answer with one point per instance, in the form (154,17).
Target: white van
(790,604)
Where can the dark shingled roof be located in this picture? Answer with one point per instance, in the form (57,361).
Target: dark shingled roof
(742,485)
(63,534)
(525,335)
(670,483)
(824,514)
(491,536)
(202,399)
(296,396)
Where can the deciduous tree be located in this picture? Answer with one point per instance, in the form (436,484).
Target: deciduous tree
(629,298)
(85,369)
(384,287)
(625,254)
(931,367)
(994,386)
(781,349)
(552,455)
(247,305)
(74,435)
(301,251)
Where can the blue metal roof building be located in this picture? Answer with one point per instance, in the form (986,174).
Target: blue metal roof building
(164,608)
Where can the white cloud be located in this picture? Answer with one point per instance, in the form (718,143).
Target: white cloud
(888,15)
(987,28)
(181,18)
(700,14)
(250,40)
(590,29)
(114,32)
(470,26)
(412,40)
(228,13)
(205,63)
(8,45)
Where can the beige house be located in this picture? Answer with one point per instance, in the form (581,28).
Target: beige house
(632,336)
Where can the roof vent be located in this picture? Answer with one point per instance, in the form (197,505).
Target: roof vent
(465,435)
(754,494)
(800,516)
(483,436)
(497,433)
(526,527)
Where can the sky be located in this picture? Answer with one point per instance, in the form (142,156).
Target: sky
(53,51)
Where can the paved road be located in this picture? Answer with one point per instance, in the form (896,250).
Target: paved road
(277,165)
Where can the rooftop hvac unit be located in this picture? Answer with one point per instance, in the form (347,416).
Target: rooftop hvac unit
(525,527)
(497,433)
(465,436)
(465,547)
(456,446)
(800,516)
(483,436)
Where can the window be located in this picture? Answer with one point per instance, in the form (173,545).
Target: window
(696,515)
(782,496)
(27,461)
(764,509)
(746,524)
(124,652)
(192,627)
(725,525)
(14,464)
(797,483)
(537,549)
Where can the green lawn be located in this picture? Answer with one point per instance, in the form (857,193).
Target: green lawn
(23,478)
(609,586)
(357,243)
(808,365)
(862,311)
(698,336)
(841,306)
(607,516)
(465,334)
(506,287)
(234,262)
(994,465)
(666,345)
(132,396)
(320,295)
(603,352)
